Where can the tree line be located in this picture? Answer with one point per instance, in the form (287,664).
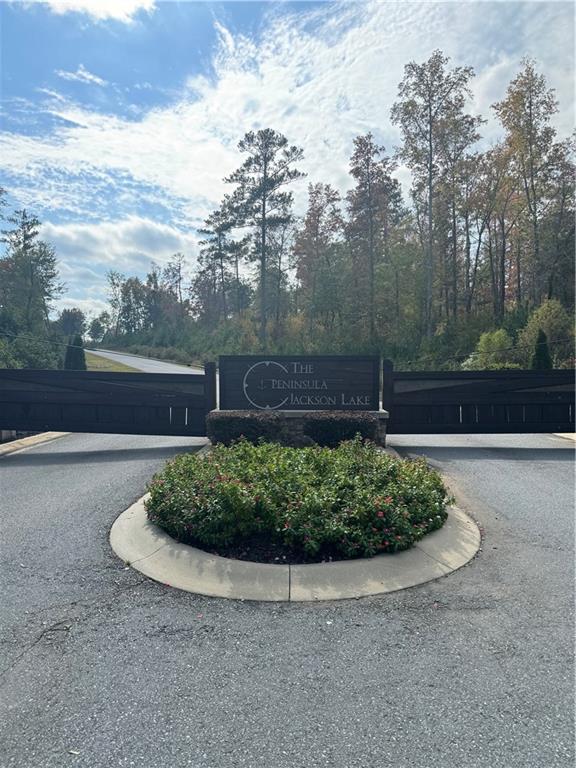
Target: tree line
(466,271)
(30,337)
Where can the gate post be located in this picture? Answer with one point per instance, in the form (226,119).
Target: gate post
(210,386)
(387,385)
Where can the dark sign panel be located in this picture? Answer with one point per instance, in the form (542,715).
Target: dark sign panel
(299,383)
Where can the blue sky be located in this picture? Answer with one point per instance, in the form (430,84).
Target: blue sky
(120,118)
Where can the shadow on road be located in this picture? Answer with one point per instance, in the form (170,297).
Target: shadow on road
(91,457)
(513,453)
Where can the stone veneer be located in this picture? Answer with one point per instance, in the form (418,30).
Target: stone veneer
(294,423)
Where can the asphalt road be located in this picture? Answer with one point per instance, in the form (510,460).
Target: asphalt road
(101,667)
(145,364)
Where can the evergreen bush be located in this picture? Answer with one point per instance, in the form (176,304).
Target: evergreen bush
(227,426)
(330,428)
(552,318)
(318,503)
(494,351)
(541,359)
(75,359)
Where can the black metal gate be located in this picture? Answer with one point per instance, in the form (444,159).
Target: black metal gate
(478,401)
(122,403)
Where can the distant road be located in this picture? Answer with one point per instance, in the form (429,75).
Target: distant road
(144,363)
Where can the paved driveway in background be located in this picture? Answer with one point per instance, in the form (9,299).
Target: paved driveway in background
(145,364)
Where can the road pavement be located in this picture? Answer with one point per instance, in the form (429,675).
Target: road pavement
(145,364)
(102,667)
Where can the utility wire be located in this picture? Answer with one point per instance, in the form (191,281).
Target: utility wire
(37,340)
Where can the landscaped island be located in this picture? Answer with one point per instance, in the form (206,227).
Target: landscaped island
(272,503)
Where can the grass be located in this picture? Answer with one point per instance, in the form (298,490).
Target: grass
(97,363)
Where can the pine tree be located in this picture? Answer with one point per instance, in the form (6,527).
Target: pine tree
(217,253)
(373,207)
(314,254)
(258,201)
(541,359)
(30,280)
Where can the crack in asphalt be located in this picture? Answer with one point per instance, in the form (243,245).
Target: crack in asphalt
(61,626)
(52,628)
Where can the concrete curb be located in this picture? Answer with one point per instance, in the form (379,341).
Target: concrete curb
(28,442)
(149,550)
(566,435)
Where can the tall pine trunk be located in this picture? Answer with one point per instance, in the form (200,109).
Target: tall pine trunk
(263,275)
(237,275)
(454,259)
(502,267)
(371,265)
(429,253)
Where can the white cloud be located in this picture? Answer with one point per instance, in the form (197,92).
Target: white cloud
(130,243)
(82,75)
(101,10)
(321,78)
(90,307)
(86,252)
(52,94)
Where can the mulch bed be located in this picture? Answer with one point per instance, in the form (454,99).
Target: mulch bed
(260,549)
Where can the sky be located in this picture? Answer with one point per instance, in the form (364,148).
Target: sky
(120,118)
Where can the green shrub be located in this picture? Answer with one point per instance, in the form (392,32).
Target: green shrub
(558,325)
(227,426)
(494,351)
(330,428)
(353,501)
(28,352)
(7,358)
